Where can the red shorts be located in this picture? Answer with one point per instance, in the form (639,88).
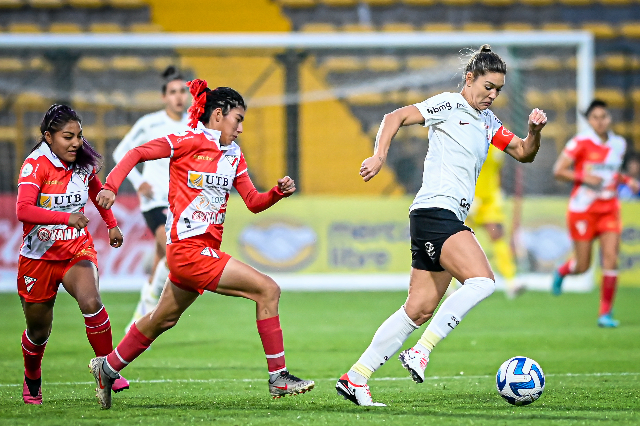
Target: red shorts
(196,264)
(38,279)
(586,226)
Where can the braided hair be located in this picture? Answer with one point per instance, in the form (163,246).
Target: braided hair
(205,101)
(56,117)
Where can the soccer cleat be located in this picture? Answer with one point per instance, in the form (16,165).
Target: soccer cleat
(103,381)
(358,394)
(556,285)
(607,321)
(288,384)
(32,391)
(120,384)
(415,362)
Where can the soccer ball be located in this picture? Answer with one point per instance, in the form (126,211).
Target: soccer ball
(520,380)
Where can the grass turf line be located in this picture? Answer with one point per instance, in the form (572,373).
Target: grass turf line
(216,344)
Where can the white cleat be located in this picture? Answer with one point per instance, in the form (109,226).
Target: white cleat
(415,362)
(103,382)
(358,394)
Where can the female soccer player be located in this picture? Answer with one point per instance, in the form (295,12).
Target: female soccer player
(461,130)
(592,161)
(153,183)
(55,182)
(205,164)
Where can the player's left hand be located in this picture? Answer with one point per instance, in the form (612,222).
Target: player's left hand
(286,185)
(634,185)
(115,237)
(537,120)
(106,198)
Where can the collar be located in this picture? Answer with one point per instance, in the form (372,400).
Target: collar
(595,137)
(214,135)
(468,105)
(57,162)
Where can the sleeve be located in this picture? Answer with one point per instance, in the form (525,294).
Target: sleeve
(133,139)
(572,148)
(152,150)
(435,109)
(500,135)
(242,166)
(254,200)
(107,215)
(32,173)
(27,210)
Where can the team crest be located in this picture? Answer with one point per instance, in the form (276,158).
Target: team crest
(29,282)
(208,251)
(232,159)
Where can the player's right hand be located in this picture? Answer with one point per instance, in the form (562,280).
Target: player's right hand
(146,190)
(78,221)
(106,198)
(370,167)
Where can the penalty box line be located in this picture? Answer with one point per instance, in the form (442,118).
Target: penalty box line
(380,379)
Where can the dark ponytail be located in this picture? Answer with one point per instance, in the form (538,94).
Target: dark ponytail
(484,61)
(54,120)
(205,101)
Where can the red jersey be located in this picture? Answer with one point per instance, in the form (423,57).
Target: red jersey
(592,156)
(48,192)
(201,174)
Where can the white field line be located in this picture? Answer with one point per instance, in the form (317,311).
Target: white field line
(431,378)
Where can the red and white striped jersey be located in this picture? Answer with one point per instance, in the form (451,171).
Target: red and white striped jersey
(592,156)
(61,188)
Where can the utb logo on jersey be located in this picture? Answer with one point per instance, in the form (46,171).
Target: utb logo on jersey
(202,180)
(50,201)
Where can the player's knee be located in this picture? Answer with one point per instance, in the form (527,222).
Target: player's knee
(270,289)
(484,285)
(38,335)
(165,323)
(581,268)
(90,305)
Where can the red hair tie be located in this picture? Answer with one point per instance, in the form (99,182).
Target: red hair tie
(198,90)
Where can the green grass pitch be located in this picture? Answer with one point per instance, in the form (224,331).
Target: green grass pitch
(211,369)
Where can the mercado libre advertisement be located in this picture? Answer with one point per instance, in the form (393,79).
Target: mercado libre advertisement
(330,243)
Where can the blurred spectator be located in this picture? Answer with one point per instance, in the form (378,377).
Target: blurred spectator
(632,169)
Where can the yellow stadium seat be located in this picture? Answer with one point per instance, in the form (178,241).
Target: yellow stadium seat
(46,4)
(7,4)
(339,3)
(145,27)
(538,3)
(576,2)
(382,63)
(147,100)
(477,26)
(622,128)
(635,96)
(547,63)
(8,134)
(366,99)
(126,4)
(379,2)
(342,64)
(92,64)
(415,96)
(357,28)
(556,26)
(615,2)
(600,29)
(128,63)
(455,3)
(419,2)
(421,62)
(318,27)
(296,3)
(630,30)
(85,3)
(39,64)
(398,27)
(618,62)
(119,99)
(517,26)
(23,27)
(497,2)
(31,100)
(105,27)
(11,64)
(118,132)
(614,97)
(438,27)
(162,62)
(65,27)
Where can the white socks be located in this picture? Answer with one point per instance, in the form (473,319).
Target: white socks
(386,342)
(456,306)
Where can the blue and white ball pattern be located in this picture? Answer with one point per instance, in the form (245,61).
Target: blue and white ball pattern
(520,380)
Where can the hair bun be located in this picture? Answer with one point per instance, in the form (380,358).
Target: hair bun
(169,71)
(485,48)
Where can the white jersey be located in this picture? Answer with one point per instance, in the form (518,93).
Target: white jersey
(459,138)
(156,172)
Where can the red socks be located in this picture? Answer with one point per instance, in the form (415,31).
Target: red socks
(271,336)
(567,268)
(608,291)
(99,332)
(32,355)
(132,345)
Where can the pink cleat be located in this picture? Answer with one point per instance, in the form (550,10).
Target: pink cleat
(120,384)
(32,391)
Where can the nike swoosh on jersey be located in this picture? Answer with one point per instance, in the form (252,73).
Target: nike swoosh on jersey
(462,124)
